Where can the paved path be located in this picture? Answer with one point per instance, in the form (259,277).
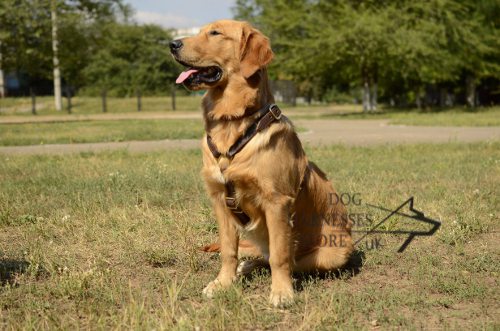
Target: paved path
(375,132)
(319,132)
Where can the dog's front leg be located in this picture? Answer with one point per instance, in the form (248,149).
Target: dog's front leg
(280,254)
(228,236)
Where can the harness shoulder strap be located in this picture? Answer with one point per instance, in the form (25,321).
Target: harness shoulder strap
(213,148)
(271,114)
(268,116)
(232,205)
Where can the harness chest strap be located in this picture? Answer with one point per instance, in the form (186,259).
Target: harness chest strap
(269,115)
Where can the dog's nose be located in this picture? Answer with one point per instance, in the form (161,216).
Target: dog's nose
(175,45)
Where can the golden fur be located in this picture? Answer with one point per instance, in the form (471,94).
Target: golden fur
(292,228)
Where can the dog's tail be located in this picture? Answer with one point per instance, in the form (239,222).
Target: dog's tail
(245,249)
(212,248)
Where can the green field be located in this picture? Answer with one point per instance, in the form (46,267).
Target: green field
(451,117)
(91,131)
(110,241)
(489,116)
(93,105)
(98,131)
(447,117)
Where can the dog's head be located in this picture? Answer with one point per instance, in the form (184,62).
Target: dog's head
(220,52)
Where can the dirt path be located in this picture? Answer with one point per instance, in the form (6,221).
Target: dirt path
(375,132)
(319,132)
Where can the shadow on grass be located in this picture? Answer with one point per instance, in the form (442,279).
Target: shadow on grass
(10,268)
(351,269)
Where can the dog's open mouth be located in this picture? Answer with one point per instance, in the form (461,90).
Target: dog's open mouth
(198,75)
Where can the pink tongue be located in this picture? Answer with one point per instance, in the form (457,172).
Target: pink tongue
(184,75)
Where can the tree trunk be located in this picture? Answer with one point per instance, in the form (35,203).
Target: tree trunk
(374,95)
(442,97)
(2,81)
(374,89)
(55,59)
(366,94)
(418,98)
(470,88)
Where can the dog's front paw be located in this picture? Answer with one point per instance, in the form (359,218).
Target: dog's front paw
(213,287)
(281,298)
(217,285)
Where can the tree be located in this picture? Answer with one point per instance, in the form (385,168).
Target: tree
(286,24)
(131,57)
(436,42)
(82,32)
(359,34)
(25,33)
(29,43)
(393,47)
(314,39)
(480,45)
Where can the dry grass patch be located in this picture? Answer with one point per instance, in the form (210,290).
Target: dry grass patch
(111,241)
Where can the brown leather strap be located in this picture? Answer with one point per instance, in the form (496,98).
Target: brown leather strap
(267,116)
(232,204)
(271,114)
(213,148)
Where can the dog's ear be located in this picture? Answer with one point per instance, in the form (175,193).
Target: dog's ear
(256,51)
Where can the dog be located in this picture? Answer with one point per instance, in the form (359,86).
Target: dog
(260,182)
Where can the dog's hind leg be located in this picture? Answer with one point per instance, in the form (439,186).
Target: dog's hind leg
(247,266)
(323,259)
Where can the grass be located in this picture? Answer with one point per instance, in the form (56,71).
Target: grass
(93,105)
(91,131)
(451,117)
(98,131)
(110,241)
(445,117)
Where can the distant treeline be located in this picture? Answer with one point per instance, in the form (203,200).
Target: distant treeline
(403,52)
(407,52)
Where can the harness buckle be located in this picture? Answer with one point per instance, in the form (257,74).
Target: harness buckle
(278,113)
(231,203)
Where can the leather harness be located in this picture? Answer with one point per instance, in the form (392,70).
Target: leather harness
(267,115)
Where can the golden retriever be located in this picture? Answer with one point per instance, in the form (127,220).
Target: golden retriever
(294,225)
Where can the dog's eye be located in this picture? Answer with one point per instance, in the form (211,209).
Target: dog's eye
(214,33)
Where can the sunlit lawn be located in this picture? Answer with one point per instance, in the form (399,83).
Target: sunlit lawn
(447,117)
(98,131)
(110,241)
(458,116)
(93,105)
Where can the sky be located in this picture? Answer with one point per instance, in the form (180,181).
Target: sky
(181,13)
